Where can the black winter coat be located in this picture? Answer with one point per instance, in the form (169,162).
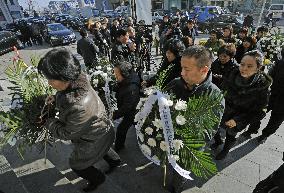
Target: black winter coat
(127,95)
(121,52)
(246,98)
(276,102)
(83,120)
(87,49)
(173,73)
(221,71)
(179,88)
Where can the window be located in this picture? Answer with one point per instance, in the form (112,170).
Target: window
(276,7)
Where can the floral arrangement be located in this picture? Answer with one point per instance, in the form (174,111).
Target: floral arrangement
(100,78)
(25,119)
(173,131)
(271,45)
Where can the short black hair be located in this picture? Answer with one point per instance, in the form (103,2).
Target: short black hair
(120,32)
(203,56)
(228,49)
(262,29)
(83,32)
(59,64)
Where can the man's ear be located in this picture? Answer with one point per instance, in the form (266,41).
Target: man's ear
(205,69)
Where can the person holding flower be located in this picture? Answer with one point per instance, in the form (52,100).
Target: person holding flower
(171,64)
(82,116)
(247,91)
(195,81)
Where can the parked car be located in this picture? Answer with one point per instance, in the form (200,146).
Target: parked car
(57,34)
(75,22)
(221,21)
(7,41)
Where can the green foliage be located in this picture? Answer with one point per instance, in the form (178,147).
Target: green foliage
(28,92)
(160,83)
(202,118)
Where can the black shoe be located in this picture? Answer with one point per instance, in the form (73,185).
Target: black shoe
(261,139)
(222,155)
(113,164)
(93,185)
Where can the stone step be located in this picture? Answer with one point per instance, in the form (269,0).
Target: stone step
(36,173)
(8,179)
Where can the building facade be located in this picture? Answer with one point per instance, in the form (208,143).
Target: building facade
(9,11)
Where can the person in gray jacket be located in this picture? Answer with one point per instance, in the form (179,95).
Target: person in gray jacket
(88,50)
(82,116)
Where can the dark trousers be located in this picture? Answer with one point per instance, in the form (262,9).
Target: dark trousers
(91,174)
(273,183)
(274,123)
(122,130)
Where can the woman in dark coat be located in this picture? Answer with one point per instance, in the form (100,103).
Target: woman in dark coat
(246,98)
(127,95)
(247,45)
(171,63)
(82,116)
(224,64)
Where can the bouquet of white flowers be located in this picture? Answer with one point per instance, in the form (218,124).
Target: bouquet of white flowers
(100,78)
(271,45)
(170,130)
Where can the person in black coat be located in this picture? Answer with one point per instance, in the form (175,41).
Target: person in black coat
(276,104)
(196,81)
(127,95)
(228,35)
(87,48)
(247,45)
(224,64)
(247,91)
(171,64)
(190,30)
(121,50)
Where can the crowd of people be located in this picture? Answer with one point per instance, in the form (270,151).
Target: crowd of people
(237,71)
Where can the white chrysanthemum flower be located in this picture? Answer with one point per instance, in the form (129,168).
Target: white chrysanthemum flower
(12,141)
(176,157)
(167,102)
(109,69)
(104,75)
(163,146)
(157,123)
(95,81)
(149,130)
(177,144)
(180,120)
(146,149)
(98,67)
(181,105)
(141,137)
(152,142)
(149,91)
(97,72)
